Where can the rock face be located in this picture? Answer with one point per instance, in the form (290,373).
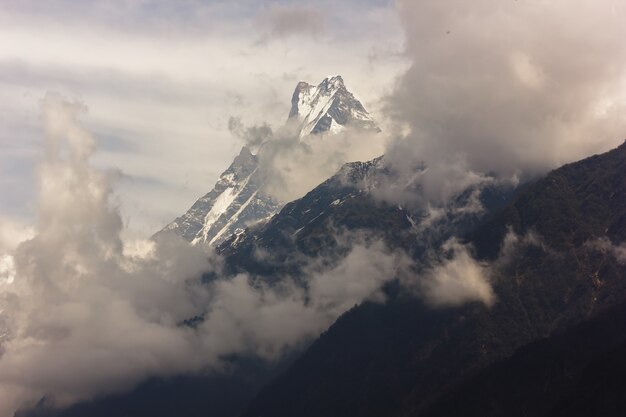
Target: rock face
(238,199)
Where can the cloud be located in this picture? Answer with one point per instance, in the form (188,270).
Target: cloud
(456,279)
(513,89)
(604,245)
(513,244)
(82,300)
(359,276)
(12,233)
(253,136)
(7,269)
(285,20)
(74,301)
(255,318)
(412,183)
(291,166)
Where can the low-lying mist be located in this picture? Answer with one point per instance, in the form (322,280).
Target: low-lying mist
(85,315)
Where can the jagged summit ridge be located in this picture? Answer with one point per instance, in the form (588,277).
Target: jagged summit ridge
(327,107)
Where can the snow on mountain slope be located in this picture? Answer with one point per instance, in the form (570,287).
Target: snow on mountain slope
(328,107)
(234,203)
(238,199)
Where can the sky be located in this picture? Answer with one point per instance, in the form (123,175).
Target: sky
(160,80)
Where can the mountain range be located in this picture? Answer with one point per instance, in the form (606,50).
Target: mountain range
(552,342)
(407,358)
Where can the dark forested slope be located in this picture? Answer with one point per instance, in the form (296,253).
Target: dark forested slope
(403,358)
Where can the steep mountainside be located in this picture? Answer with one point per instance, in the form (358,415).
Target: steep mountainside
(238,199)
(304,228)
(345,203)
(404,357)
(200,395)
(575,203)
(576,372)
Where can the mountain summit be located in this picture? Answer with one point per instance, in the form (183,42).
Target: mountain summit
(328,107)
(238,199)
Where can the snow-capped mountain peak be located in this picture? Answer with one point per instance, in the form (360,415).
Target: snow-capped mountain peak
(238,199)
(327,107)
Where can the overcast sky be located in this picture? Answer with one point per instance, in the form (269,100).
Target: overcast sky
(161,79)
(488,86)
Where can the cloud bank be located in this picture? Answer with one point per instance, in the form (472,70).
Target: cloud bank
(516,87)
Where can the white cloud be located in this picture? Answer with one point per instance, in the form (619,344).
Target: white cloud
(513,89)
(7,269)
(12,233)
(457,279)
(604,245)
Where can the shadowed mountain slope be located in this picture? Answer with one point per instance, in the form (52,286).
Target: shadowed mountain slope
(401,358)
